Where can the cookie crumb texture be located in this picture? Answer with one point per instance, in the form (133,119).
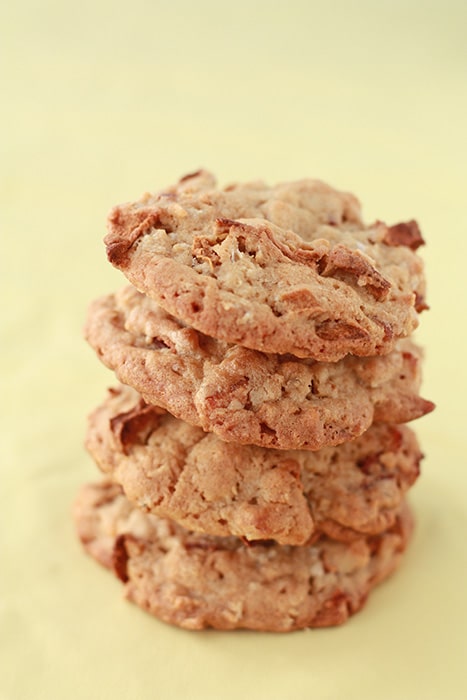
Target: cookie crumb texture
(284,269)
(197,581)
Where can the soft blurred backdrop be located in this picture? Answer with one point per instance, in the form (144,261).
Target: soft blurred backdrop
(102,101)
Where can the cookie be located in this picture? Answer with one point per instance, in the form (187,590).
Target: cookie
(284,269)
(178,471)
(245,396)
(198,581)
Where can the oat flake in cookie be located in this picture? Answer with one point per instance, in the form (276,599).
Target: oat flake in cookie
(197,581)
(284,269)
(177,471)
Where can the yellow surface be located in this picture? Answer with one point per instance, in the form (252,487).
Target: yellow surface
(101,101)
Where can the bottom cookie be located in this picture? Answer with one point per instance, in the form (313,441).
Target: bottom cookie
(197,581)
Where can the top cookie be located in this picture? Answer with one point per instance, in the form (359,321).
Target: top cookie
(284,269)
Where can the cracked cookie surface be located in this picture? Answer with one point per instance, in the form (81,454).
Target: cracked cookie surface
(178,471)
(246,396)
(198,581)
(284,269)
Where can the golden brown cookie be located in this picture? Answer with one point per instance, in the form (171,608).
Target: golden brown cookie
(197,581)
(243,395)
(284,269)
(178,471)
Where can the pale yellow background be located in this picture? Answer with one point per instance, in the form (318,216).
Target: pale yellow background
(101,101)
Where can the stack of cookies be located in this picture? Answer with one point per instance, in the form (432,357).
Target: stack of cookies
(255,451)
